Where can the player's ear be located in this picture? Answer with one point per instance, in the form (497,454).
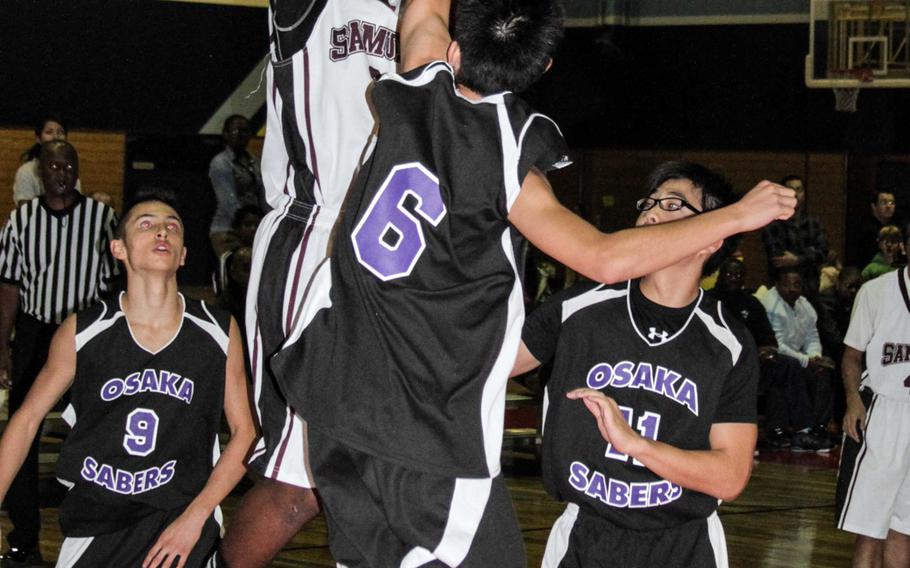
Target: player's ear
(118,249)
(183,256)
(453,56)
(549,64)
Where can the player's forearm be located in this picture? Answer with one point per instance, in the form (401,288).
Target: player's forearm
(229,470)
(424,32)
(719,473)
(14,446)
(851,371)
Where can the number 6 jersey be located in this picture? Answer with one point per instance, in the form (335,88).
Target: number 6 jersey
(144,425)
(411,361)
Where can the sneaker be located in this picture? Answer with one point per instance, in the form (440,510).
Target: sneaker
(778,439)
(18,558)
(807,442)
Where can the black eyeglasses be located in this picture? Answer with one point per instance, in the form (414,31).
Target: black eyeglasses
(665,203)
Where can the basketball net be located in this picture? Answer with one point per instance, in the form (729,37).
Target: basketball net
(845,99)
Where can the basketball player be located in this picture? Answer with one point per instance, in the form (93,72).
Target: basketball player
(873,485)
(402,381)
(671,380)
(149,373)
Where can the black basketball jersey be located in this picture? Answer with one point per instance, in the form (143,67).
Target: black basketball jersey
(411,361)
(145,424)
(674,372)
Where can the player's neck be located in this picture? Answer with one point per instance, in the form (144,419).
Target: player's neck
(467,93)
(152,300)
(673,287)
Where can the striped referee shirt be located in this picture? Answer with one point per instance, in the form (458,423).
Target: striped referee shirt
(60,260)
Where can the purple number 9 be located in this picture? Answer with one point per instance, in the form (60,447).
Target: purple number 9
(141,432)
(388,240)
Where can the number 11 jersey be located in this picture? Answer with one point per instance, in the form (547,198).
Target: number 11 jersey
(410,362)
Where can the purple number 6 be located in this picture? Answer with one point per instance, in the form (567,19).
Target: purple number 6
(141,432)
(388,240)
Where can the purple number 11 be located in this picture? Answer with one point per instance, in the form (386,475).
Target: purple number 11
(648,425)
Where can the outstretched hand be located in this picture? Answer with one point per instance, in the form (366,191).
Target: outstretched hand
(610,420)
(766,202)
(175,543)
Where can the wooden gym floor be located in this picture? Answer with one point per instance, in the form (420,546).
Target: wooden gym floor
(783,519)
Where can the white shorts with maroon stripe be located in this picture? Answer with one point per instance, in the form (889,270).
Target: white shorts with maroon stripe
(291,245)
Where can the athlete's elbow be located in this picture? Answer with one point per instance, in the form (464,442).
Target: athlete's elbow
(734,485)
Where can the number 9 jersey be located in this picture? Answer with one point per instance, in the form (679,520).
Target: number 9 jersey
(144,425)
(410,362)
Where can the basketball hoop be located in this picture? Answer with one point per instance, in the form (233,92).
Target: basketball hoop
(845,99)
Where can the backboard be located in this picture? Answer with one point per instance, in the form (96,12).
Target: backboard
(858,44)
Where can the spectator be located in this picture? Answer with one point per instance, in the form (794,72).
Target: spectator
(788,414)
(834,307)
(27,184)
(236,180)
(799,242)
(889,256)
(883,207)
(794,321)
(38,291)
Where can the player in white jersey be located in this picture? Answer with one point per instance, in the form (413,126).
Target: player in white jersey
(873,492)
(323,56)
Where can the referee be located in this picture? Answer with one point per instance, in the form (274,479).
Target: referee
(55,260)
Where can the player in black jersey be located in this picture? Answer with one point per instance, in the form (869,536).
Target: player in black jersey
(151,374)
(671,381)
(402,352)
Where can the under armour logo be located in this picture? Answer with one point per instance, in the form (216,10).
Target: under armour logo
(655,335)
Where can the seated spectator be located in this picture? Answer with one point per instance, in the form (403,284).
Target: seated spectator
(232,296)
(889,256)
(27,184)
(834,307)
(883,209)
(243,231)
(829,272)
(794,322)
(799,242)
(236,180)
(788,415)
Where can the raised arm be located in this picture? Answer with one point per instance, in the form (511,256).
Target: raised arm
(54,379)
(631,253)
(181,536)
(721,472)
(424,32)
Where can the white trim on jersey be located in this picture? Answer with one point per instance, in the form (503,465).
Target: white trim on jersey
(558,165)
(211,327)
(493,399)
(589,298)
(718,540)
(72,550)
(96,327)
(701,294)
(721,332)
(558,540)
(69,415)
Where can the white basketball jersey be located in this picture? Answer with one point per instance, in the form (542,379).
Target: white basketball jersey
(325,54)
(880,326)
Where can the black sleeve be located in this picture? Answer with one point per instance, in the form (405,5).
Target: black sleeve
(738,398)
(542,146)
(542,327)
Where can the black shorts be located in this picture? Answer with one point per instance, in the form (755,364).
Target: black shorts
(129,546)
(581,538)
(382,514)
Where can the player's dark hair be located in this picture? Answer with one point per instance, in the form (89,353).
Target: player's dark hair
(34,152)
(145,195)
(505,45)
(716,192)
(780,272)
